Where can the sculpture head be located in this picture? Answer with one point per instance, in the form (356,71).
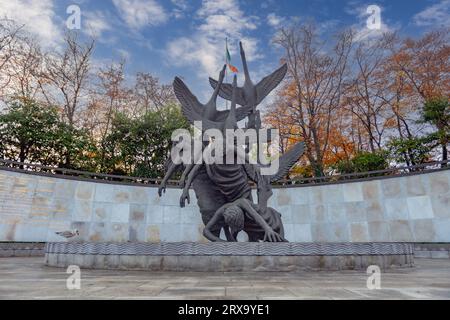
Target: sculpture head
(234,218)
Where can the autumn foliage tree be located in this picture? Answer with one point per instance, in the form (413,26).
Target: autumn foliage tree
(363,96)
(59,108)
(314,89)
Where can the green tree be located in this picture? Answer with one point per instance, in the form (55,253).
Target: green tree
(412,151)
(73,148)
(363,162)
(32,133)
(26,129)
(436,111)
(139,147)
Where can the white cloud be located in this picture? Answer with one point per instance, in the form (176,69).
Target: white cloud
(224,16)
(124,54)
(362,32)
(220,19)
(181,6)
(273,20)
(96,23)
(267,4)
(38,18)
(138,14)
(355,8)
(435,15)
(184,51)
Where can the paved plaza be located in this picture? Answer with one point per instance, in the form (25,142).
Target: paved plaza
(29,278)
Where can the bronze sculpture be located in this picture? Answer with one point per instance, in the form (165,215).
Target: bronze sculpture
(222,189)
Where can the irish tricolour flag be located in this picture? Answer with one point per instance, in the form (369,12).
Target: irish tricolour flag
(228,59)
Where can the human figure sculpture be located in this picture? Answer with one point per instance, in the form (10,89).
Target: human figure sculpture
(243,215)
(223,191)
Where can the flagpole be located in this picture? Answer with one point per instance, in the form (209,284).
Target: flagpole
(226,68)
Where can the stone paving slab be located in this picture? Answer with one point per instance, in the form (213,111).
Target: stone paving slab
(29,278)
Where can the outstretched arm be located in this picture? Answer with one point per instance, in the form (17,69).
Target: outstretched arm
(270,234)
(186,172)
(207,231)
(185,196)
(172,168)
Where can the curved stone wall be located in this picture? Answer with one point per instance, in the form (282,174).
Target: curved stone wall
(400,209)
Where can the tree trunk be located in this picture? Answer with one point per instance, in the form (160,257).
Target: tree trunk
(444,154)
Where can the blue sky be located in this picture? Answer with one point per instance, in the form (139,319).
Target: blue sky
(186,38)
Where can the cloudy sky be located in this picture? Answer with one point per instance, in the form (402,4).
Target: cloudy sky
(187,38)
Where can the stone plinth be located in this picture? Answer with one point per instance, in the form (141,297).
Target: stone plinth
(19,249)
(225,257)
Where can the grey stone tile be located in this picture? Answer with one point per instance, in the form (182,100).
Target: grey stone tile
(121,194)
(423,230)
(82,210)
(318,213)
(352,192)
(339,232)
(190,215)
(336,213)
(102,211)
(138,213)
(287,214)
(259,291)
(300,214)
(371,190)
(118,232)
(302,232)
(359,232)
(355,211)
(171,232)
(441,205)
(315,195)
(379,231)
(439,182)
(416,185)
(440,255)
(374,211)
(155,214)
(171,214)
(400,230)
(422,254)
(120,213)
(332,193)
(396,209)
(98,232)
(284,197)
(104,192)
(442,230)
(139,195)
(27,278)
(298,196)
(137,232)
(320,232)
(392,188)
(85,191)
(420,207)
(192,291)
